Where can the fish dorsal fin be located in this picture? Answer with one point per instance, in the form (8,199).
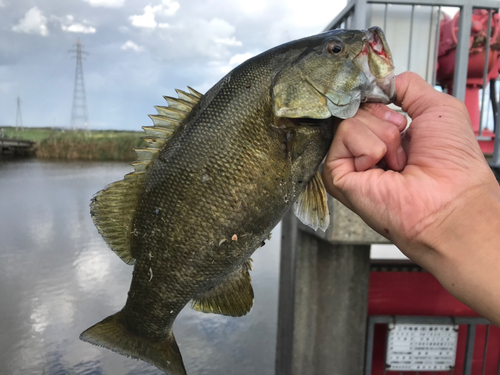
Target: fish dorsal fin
(232,297)
(312,206)
(113,208)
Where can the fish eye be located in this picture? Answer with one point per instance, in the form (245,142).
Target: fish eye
(335,47)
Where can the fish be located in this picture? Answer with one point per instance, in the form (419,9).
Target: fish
(219,173)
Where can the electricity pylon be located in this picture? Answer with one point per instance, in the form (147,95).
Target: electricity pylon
(79,113)
(19,116)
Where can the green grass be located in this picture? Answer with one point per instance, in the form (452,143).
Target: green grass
(30,134)
(80,145)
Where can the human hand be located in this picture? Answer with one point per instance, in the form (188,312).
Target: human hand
(431,181)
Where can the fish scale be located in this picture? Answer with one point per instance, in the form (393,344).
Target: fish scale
(219,173)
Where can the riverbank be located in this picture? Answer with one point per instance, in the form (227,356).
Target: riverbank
(64,144)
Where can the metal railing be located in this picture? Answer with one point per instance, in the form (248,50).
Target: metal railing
(359,14)
(470,323)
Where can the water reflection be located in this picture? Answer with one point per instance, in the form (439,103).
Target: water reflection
(57,277)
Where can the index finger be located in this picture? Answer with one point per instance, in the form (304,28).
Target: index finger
(414,95)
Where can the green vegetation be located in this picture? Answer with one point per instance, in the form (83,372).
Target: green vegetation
(80,145)
(30,134)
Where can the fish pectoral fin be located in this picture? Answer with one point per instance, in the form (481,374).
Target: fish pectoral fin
(112,334)
(312,206)
(232,297)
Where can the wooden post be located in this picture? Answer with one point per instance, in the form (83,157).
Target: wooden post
(322,302)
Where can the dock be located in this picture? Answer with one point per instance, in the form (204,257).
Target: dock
(17,147)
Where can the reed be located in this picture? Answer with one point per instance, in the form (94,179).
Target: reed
(58,143)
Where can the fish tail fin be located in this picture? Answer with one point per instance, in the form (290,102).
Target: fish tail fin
(112,334)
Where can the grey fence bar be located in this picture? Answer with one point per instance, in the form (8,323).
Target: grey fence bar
(495,162)
(485,71)
(436,48)
(470,322)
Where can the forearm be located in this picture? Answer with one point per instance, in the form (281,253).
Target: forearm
(462,250)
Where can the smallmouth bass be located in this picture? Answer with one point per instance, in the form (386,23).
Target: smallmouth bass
(220,171)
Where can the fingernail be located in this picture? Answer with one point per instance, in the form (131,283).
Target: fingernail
(395,118)
(401,156)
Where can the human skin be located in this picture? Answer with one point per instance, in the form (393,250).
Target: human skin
(435,197)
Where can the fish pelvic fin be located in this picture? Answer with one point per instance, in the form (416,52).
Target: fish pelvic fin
(112,334)
(113,208)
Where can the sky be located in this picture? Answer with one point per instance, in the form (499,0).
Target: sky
(138,51)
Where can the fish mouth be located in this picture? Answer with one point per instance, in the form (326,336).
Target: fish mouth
(375,61)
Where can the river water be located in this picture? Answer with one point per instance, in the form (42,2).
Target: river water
(58,277)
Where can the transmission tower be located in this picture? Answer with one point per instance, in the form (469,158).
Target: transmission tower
(19,116)
(79,113)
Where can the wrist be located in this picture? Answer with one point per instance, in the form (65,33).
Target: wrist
(465,223)
(463,250)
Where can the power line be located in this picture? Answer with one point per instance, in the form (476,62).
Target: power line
(79,112)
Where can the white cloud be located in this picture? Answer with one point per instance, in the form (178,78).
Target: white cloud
(68,24)
(221,27)
(33,22)
(105,3)
(193,38)
(147,19)
(254,6)
(79,28)
(169,7)
(235,61)
(2,4)
(229,42)
(239,58)
(129,45)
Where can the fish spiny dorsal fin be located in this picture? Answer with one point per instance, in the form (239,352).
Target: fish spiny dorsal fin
(194,92)
(189,97)
(113,208)
(174,103)
(232,297)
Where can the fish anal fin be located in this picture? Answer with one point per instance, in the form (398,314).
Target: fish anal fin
(232,297)
(312,206)
(112,334)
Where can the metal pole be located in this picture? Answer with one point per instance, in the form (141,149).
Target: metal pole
(485,71)
(462,57)
(385,17)
(286,299)
(369,346)
(495,161)
(411,36)
(469,349)
(360,15)
(485,353)
(429,45)
(436,47)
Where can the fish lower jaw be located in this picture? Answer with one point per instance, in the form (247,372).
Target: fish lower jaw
(380,90)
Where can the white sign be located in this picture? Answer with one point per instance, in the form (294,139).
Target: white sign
(421,347)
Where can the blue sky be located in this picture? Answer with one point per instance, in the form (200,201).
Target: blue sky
(138,51)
